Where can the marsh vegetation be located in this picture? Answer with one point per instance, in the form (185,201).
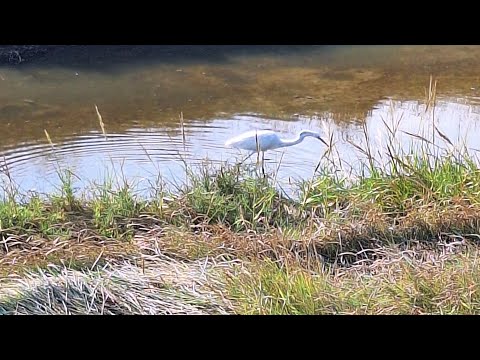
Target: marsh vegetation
(394,233)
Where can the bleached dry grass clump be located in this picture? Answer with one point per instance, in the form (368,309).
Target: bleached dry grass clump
(160,285)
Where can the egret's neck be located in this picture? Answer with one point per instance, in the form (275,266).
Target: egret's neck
(290,142)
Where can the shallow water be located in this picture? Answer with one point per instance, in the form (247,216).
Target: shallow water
(221,92)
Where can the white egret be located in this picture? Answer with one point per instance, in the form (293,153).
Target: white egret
(263,140)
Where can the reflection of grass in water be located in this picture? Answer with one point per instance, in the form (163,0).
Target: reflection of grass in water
(398,236)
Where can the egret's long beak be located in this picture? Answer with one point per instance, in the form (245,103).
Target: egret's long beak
(319,138)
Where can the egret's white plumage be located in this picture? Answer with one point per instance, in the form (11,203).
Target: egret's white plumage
(263,140)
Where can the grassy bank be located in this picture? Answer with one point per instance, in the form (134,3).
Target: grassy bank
(395,234)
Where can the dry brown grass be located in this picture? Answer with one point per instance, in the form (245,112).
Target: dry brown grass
(23,252)
(331,267)
(323,239)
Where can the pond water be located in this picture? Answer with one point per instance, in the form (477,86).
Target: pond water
(141,92)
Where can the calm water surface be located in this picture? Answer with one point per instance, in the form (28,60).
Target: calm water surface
(221,91)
